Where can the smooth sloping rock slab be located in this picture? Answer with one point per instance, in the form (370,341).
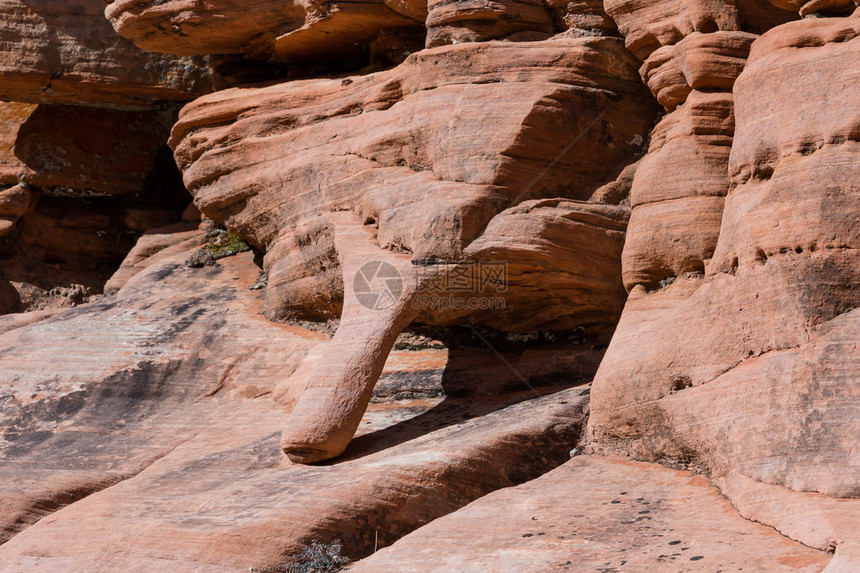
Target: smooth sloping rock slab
(227,499)
(94,394)
(153,444)
(598,514)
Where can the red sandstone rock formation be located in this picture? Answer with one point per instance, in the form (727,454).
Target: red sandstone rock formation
(140,431)
(624,515)
(86,170)
(426,189)
(62,51)
(144,403)
(293,31)
(72,199)
(452,21)
(762,395)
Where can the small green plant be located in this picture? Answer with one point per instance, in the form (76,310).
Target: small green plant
(227,245)
(224,245)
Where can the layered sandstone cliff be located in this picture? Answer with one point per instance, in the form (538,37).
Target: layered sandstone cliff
(485,238)
(84,168)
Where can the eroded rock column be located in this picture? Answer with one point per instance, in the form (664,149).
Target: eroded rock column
(742,369)
(379,291)
(692,56)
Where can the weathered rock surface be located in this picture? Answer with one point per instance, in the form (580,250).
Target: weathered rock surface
(424,190)
(453,21)
(582,15)
(678,192)
(266,510)
(764,392)
(174,401)
(343,30)
(595,514)
(12,116)
(10,301)
(426,187)
(704,62)
(133,366)
(560,235)
(808,7)
(63,51)
(294,31)
(73,199)
(154,246)
(647,26)
(474,194)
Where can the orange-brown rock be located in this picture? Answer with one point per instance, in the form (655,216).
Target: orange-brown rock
(562,235)
(123,397)
(426,189)
(698,62)
(15,198)
(339,387)
(585,15)
(177,27)
(598,514)
(451,22)
(678,192)
(416,9)
(341,31)
(295,31)
(15,201)
(647,26)
(154,246)
(749,372)
(161,429)
(223,499)
(72,199)
(581,242)
(807,7)
(803,165)
(455,21)
(462,223)
(12,116)
(63,51)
